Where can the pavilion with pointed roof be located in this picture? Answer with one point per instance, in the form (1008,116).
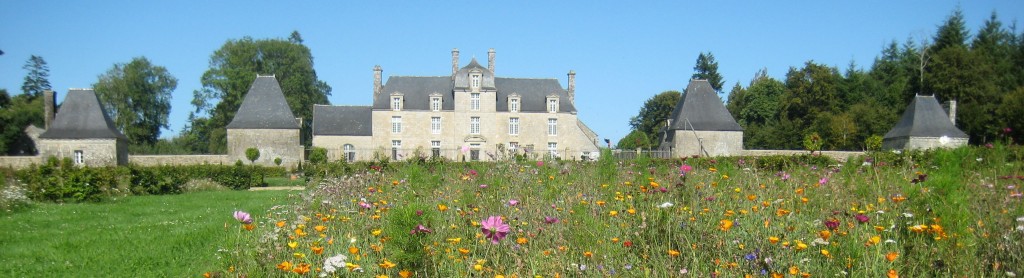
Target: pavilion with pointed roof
(924,125)
(700,125)
(84,132)
(265,121)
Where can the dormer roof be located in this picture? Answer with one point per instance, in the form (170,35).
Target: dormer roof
(462,77)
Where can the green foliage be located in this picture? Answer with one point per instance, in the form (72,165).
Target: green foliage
(873,143)
(18,113)
(317,155)
(137,95)
(233,68)
(38,76)
(252,154)
(633,140)
(813,142)
(707,68)
(653,115)
(277,161)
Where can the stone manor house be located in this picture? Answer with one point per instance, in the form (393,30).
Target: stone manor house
(469,115)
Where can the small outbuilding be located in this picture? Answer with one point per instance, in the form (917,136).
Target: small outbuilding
(700,125)
(83,131)
(265,121)
(924,125)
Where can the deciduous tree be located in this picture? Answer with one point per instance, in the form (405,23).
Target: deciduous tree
(137,95)
(654,113)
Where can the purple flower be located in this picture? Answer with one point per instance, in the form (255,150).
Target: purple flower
(550,220)
(494,229)
(832,224)
(365,205)
(862,218)
(420,229)
(243,217)
(419,213)
(482,186)
(540,163)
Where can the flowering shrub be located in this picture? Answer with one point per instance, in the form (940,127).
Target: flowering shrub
(723,217)
(12,197)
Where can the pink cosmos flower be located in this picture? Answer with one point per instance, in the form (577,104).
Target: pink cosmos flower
(494,229)
(832,224)
(550,220)
(540,163)
(482,186)
(513,202)
(685,169)
(243,217)
(823,181)
(420,229)
(862,218)
(365,205)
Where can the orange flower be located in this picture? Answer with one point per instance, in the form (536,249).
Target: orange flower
(725,225)
(588,254)
(280,224)
(320,228)
(892,274)
(825,234)
(317,250)
(781,212)
(353,250)
(521,240)
(405,273)
(794,270)
(249,227)
(873,240)
(285,266)
(773,239)
(387,264)
(752,197)
(301,269)
(300,232)
(891,256)
(826,253)
(463,251)
(898,198)
(673,253)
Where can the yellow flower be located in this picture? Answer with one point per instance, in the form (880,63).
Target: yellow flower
(442,207)
(376,232)
(320,228)
(285,266)
(478,267)
(454,240)
(317,250)
(631,211)
(600,203)
(463,251)
(521,240)
(387,264)
(299,255)
(613,213)
(794,270)
(353,250)
(280,224)
(873,240)
(300,232)
(405,273)
(293,244)
(800,245)
(673,253)
(826,253)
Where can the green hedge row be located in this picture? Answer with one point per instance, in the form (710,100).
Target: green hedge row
(61,181)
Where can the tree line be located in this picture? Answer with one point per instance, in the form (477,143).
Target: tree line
(852,109)
(137,96)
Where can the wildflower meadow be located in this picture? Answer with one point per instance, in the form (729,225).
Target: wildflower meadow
(914,214)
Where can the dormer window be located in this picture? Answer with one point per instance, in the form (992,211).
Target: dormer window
(474,80)
(552,104)
(435,104)
(513,104)
(396,102)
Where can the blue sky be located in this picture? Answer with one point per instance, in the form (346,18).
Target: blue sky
(623,52)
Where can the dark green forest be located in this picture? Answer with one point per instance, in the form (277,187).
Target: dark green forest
(852,108)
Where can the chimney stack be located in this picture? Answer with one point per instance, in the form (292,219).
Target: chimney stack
(48,108)
(377,81)
(952,112)
(455,62)
(572,86)
(490,60)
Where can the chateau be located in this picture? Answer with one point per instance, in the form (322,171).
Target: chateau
(469,115)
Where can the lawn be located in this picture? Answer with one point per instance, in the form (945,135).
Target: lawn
(139,236)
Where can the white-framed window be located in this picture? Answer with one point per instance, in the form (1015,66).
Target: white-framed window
(474,101)
(513,105)
(512,147)
(396,124)
(435,104)
(475,80)
(395,146)
(552,105)
(474,125)
(513,126)
(552,126)
(435,148)
(350,152)
(553,149)
(435,125)
(79,157)
(396,103)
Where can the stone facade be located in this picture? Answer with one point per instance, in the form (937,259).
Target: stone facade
(715,143)
(912,143)
(272,143)
(86,152)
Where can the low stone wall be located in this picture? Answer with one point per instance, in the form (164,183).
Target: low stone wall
(19,162)
(840,156)
(155,160)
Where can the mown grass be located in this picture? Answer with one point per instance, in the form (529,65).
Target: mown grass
(641,218)
(283,181)
(139,236)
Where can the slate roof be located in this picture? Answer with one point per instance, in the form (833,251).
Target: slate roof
(704,110)
(81,116)
(924,117)
(264,107)
(342,120)
(462,78)
(416,91)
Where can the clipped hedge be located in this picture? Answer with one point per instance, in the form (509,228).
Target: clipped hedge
(62,181)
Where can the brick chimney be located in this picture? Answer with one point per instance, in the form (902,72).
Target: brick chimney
(490,60)
(377,71)
(455,62)
(48,108)
(572,86)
